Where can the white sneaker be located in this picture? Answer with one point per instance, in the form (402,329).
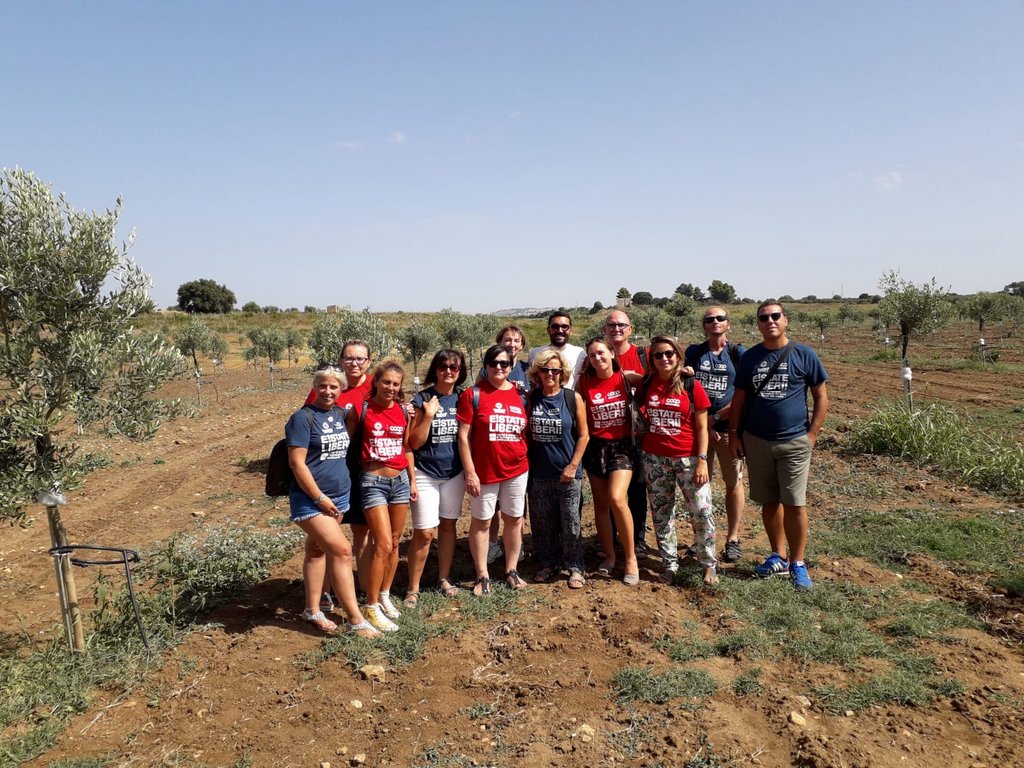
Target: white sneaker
(376,617)
(388,607)
(494,551)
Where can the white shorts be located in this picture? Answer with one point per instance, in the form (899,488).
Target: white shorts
(437,498)
(510,494)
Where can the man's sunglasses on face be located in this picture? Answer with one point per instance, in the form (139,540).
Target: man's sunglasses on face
(715,319)
(769,316)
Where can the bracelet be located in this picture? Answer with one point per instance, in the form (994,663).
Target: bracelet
(316,502)
(702,456)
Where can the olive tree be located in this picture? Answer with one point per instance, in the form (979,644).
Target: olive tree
(69,352)
(417,340)
(197,338)
(984,306)
(330,332)
(914,309)
(268,343)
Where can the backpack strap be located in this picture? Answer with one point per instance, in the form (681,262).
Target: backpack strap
(641,352)
(734,353)
(476,398)
(569,396)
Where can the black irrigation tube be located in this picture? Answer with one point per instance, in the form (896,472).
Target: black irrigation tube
(127,556)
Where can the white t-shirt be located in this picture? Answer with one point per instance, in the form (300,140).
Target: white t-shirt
(575,356)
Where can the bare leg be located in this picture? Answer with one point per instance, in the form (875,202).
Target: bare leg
(314,568)
(772,517)
(513,540)
(602,520)
(419,548)
(328,536)
(362,550)
(445,548)
(734,510)
(618,488)
(494,531)
(397,514)
(478,538)
(380,531)
(795,524)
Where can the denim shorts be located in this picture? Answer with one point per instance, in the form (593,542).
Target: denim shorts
(379,491)
(303,508)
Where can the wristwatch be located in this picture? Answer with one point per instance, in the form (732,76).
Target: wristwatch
(702,456)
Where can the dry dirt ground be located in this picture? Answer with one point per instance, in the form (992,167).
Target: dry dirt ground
(238,691)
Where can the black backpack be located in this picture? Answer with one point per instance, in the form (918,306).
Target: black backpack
(279,471)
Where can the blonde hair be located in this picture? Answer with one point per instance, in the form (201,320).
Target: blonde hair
(543,357)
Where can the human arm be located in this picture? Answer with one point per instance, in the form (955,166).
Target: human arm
(735,412)
(819,394)
(700,442)
(469,470)
(421,421)
(582,438)
(304,479)
(414,494)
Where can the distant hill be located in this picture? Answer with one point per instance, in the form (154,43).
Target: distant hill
(523,311)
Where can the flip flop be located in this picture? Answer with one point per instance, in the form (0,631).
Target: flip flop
(364,626)
(485,586)
(514,580)
(320,621)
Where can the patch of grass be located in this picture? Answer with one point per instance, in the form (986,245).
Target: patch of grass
(705,756)
(910,683)
(479,711)
(748,682)
(441,755)
(636,684)
(941,436)
(683,649)
(974,544)
(635,736)
(417,627)
(80,762)
(918,620)
(1011,582)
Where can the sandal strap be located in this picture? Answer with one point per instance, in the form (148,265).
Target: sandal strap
(364,624)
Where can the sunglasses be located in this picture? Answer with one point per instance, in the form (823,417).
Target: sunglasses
(499,364)
(356,360)
(616,325)
(550,370)
(559,326)
(449,367)
(769,316)
(667,354)
(715,319)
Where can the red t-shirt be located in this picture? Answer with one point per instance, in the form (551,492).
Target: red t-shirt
(606,399)
(671,433)
(630,362)
(497,440)
(348,398)
(384,435)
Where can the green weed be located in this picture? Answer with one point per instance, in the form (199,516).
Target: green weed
(1011,582)
(747,683)
(910,683)
(440,755)
(635,684)
(479,711)
(941,436)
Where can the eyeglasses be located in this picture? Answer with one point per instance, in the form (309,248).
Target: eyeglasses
(559,326)
(616,325)
(327,367)
(449,367)
(356,360)
(550,370)
(769,316)
(499,364)
(666,354)
(715,319)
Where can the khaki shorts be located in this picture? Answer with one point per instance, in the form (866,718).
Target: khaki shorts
(778,470)
(732,469)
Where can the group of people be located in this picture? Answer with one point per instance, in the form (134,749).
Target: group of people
(645,424)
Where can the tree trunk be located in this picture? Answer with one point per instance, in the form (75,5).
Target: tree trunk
(69,607)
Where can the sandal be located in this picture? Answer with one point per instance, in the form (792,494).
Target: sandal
(604,570)
(361,629)
(412,599)
(668,576)
(485,586)
(514,580)
(544,575)
(631,579)
(576,580)
(320,621)
(447,588)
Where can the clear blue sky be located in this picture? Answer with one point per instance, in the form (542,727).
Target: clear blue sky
(484,155)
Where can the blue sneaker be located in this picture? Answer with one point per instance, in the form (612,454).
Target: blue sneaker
(798,576)
(773,565)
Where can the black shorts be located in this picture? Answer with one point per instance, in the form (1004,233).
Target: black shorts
(604,456)
(355,515)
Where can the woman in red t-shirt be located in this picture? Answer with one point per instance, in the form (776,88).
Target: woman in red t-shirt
(492,445)
(608,459)
(675,452)
(386,483)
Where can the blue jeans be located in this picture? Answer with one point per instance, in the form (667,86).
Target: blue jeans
(380,491)
(303,508)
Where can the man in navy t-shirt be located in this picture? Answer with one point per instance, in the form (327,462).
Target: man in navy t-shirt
(777,434)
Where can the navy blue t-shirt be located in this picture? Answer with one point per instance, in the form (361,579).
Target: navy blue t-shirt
(439,456)
(551,441)
(325,439)
(779,412)
(715,373)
